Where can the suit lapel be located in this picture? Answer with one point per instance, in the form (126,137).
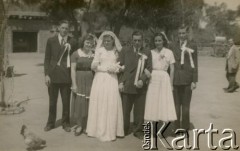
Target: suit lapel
(134,59)
(230,52)
(177,50)
(59,47)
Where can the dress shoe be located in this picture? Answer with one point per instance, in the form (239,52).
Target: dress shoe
(225,89)
(230,90)
(67,129)
(78,131)
(127,133)
(236,87)
(48,128)
(85,132)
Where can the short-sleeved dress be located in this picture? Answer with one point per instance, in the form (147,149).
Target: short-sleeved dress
(159,99)
(84,78)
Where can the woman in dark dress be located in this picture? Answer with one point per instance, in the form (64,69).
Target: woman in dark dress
(82,77)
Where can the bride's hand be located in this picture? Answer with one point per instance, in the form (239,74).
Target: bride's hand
(111,69)
(74,88)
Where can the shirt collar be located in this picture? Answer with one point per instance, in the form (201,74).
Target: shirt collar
(135,49)
(60,38)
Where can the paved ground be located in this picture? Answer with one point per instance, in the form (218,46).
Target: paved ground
(209,105)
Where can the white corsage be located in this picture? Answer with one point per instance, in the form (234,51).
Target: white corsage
(67,46)
(189,51)
(91,55)
(162,56)
(142,56)
(140,67)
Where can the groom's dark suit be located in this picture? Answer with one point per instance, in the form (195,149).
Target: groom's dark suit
(59,76)
(184,75)
(132,95)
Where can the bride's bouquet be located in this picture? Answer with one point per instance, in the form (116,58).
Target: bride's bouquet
(115,68)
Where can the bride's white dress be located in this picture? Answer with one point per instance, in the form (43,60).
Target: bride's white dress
(105,117)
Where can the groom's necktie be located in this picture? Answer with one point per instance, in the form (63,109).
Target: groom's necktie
(62,42)
(181,43)
(136,51)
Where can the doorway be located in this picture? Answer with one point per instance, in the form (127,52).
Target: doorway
(24,41)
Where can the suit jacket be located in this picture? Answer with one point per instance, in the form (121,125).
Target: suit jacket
(233,59)
(129,59)
(53,52)
(184,74)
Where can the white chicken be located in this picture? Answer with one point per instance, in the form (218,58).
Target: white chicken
(31,140)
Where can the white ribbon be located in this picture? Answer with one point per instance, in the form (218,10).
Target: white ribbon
(189,51)
(67,48)
(140,67)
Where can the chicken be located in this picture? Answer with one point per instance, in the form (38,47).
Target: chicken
(31,140)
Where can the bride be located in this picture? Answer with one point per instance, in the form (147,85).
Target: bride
(105,120)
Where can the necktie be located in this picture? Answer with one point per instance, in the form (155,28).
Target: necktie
(138,50)
(62,42)
(181,43)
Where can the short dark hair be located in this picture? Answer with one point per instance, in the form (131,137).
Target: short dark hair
(63,22)
(137,33)
(89,37)
(165,43)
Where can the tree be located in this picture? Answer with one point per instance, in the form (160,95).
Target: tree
(222,20)
(238,10)
(142,14)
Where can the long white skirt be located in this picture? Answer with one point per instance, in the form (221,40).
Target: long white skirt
(159,99)
(105,116)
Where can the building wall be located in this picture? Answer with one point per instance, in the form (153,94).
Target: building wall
(43,35)
(42,27)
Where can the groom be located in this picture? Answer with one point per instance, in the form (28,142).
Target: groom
(185,76)
(57,74)
(133,83)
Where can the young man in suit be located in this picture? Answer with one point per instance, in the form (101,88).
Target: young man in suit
(185,76)
(57,74)
(133,83)
(232,65)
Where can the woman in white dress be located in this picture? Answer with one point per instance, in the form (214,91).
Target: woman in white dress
(159,100)
(105,117)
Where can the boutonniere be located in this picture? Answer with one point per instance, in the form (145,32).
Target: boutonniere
(162,56)
(67,46)
(142,56)
(91,55)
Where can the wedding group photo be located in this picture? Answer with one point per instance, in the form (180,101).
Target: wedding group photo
(132,75)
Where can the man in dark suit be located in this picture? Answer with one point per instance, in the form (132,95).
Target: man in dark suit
(185,76)
(232,66)
(133,83)
(57,74)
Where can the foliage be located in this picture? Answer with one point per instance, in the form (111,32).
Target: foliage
(165,14)
(223,21)
(143,14)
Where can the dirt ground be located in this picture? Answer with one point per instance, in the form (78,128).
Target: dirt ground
(209,105)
